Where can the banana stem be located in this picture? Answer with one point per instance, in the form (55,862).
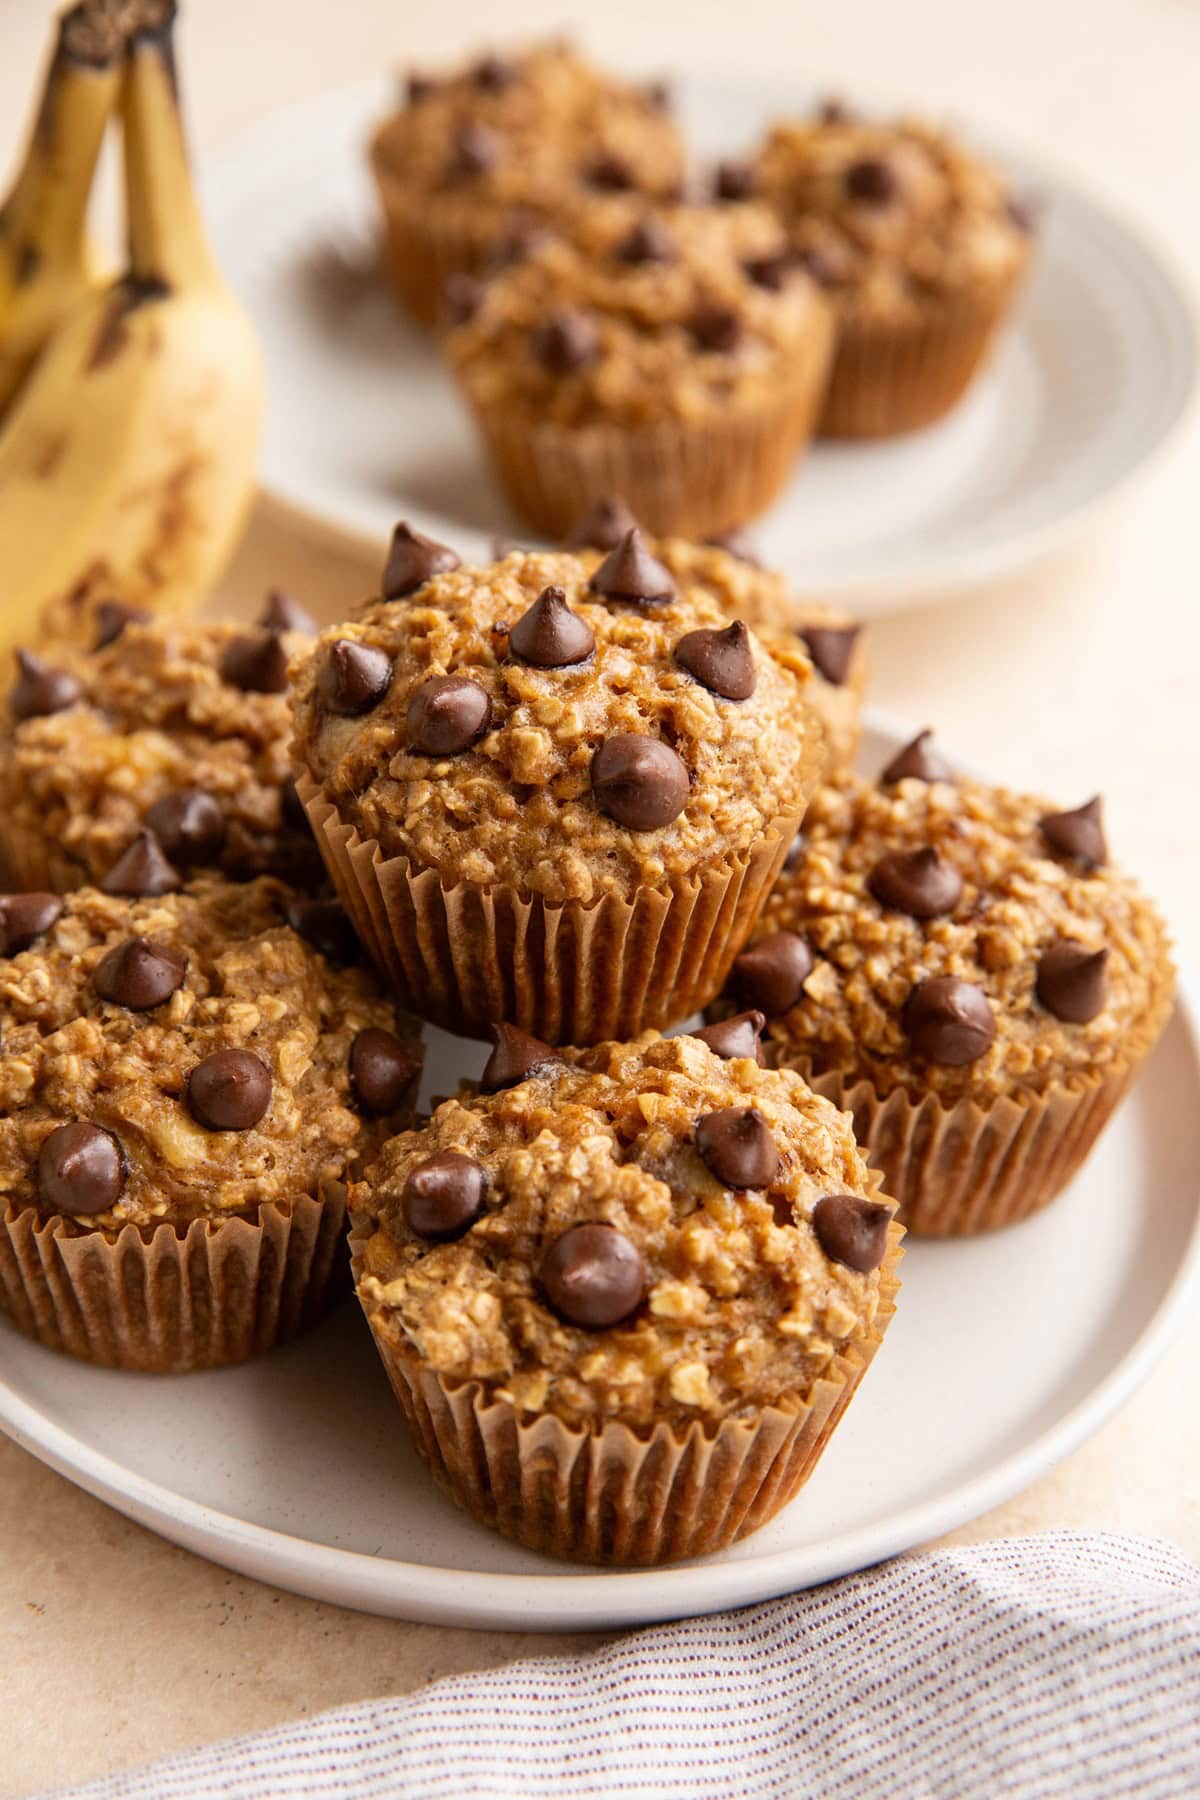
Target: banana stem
(167,240)
(44,218)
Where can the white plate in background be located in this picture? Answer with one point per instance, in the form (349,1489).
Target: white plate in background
(1006,1352)
(364,425)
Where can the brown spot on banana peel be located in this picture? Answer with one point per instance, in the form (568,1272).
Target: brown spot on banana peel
(126,296)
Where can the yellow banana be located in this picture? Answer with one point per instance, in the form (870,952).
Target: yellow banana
(127,463)
(46,265)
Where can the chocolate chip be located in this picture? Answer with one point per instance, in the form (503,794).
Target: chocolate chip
(721,661)
(948,1021)
(291,806)
(871,181)
(515,1057)
(549,635)
(658,95)
(829,265)
(917,882)
(852,1231)
(139,974)
(566,342)
(80,1170)
(143,871)
(418,88)
(326,926)
(738,544)
(630,573)
(112,616)
(189,824)
(444,1195)
(477,149)
(715,328)
(771,973)
(413,560)
(918,761)
(648,242)
(833,111)
(24,918)
(1021,213)
(1079,834)
(610,173)
(282,613)
(737,1146)
(522,239)
(494,73)
(832,649)
(771,273)
(382,1068)
(734,181)
(593,1276)
(736,1037)
(229,1091)
(256,664)
(639,781)
(353,678)
(446,715)
(462,296)
(41,689)
(602,528)
(1071,982)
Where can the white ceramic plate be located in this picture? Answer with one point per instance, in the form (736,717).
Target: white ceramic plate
(365,427)
(1005,1353)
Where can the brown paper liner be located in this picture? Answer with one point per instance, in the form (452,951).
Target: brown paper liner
(168,1300)
(888,379)
(423,248)
(683,479)
(611,1495)
(465,957)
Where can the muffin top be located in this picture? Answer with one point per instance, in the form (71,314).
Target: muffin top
(631,1231)
(525,725)
(181,726)
(185,1055)
(644,316)
(889,216)
(941,934)
(529,136)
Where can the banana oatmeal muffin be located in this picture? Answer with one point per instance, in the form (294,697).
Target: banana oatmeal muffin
(920,246)
(625,1294)
(186,1084)
(474,163)
(729,568)
(965,971)
(179,727)
(552,790)
(677,357)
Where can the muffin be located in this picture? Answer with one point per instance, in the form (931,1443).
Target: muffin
(921,248)
(729,568)
(186,1083)
(625,1295)
(473,164)
(178,727)
(676,357)
(552,791)
(964,970)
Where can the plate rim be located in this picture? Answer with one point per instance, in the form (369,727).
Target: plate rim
(607,1599)
(965,571)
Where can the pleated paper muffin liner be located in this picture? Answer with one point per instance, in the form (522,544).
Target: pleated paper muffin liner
(466,957)
(167,1299)
(891,378)
(423,247)
(612,1495)
(683,478)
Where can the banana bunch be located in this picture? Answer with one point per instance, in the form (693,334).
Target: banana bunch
(130,408)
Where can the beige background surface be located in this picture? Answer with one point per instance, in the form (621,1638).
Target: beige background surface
(115,1646)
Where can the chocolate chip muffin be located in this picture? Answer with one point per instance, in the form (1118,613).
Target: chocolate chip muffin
(677,357)
(963,969)
(625,1294)
(553,790)
(920,246)
(475,162)
(186,1083)
(176,727)
(729,568)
